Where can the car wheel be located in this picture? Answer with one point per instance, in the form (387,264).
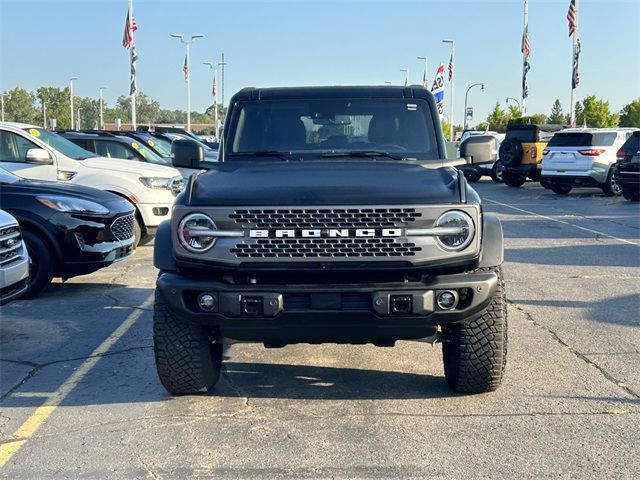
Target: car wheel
(561,189)
(631,195)
(497,172)
(41,264)
(513,179)
(546,183)
(472,175)
(475,353)
(186,360)
(610,186)
(510,152)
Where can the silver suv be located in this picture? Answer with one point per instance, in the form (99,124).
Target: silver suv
(583,157)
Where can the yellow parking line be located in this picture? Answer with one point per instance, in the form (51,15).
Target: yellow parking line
(35,421)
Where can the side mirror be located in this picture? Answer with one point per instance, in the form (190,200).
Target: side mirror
(186,154)
(39,156)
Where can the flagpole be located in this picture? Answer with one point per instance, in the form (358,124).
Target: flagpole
(573,56)
(215,102)
(452,70)
(523,112)
(134,121)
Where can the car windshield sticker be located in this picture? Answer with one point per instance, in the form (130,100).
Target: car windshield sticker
(135,145)
(34,132)
(150,142)
(142,152)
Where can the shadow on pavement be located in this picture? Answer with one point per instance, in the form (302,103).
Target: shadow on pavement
(617,255)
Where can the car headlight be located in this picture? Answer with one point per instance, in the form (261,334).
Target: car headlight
(455,219)
(72,205)
(194,232)
(161,183)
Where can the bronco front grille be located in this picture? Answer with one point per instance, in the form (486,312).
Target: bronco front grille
(10,244)
(325,247)
(123,227)
(326,217)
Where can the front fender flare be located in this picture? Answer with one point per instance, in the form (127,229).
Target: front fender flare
(163,248)
(492,254)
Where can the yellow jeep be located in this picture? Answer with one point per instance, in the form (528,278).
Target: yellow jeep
(522,150)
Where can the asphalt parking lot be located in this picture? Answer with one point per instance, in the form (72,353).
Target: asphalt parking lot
(80,397)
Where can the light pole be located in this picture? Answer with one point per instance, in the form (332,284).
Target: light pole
(101,107)
(424,78)
(71,97)
(2,95)
(78,122)
(465,100)
(514,100)
(406,76)
(214,92)
(44,113)
(222,64)
(452,62)
(187,43)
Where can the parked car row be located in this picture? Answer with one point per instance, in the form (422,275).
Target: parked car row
(75,202)
(559,158)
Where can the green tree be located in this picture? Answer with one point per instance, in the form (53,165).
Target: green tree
(595,112)
(556,116)
(498,119)
(89,109)
(630,114)
(57,104)
(514,112)
(147,109)
(19,106)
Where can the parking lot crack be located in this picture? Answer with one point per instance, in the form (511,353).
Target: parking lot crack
(238,392)
(146,467)
(582,356)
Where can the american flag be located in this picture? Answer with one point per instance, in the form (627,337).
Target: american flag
(133,84)
(185,68)
(525,84)
(214,87)
(130,26)
(572,17)
(451,68)
(526,46)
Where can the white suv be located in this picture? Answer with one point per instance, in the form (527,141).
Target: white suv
(14,259)
(38,154)
(583,157)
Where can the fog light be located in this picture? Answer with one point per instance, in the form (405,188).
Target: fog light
(447,300)
(207,301)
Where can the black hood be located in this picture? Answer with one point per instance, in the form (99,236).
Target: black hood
(41,187)
(320,182)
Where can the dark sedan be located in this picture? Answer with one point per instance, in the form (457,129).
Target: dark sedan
(628,168)
(69,230)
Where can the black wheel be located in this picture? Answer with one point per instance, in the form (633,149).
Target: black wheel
(41,264)
(610,186)
(510,152)
(560,188)
(141,238)
(631,195)
(475,353)
(497,172)
(535,175)
(472,175)
(514,179)
(545,182)
(186,360)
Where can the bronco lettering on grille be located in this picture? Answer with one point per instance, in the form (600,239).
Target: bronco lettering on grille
(326,233)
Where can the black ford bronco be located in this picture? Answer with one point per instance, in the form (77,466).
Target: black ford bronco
(333,216)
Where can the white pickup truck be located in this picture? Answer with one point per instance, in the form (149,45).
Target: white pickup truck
(35,153)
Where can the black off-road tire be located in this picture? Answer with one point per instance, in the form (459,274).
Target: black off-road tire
(513,179)
(510,152)
(631,195)
(610,187)
(475,353)
(186,360)
(41,264)
(472,175)
(545,183)
(560,188)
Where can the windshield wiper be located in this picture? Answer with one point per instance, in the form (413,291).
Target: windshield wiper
(267,153)
(363,153)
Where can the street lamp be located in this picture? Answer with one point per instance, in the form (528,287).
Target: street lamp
(465,100)
(2,95)
(187,43)
(215,97)
(101,106)
(424,79)
(71,97)
(514,100)
(406,76)
(452,81)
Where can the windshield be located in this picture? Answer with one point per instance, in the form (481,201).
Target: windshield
(8,177)
(583,139)
(148,154)
(181,136)
(310,128)
(162,146)
(61,144)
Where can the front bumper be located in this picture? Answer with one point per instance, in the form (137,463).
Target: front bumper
(358,313)
(629,179)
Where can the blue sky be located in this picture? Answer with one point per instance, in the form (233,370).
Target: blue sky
(314,42)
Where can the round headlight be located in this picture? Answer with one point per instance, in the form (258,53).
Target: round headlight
(194,232)
(453,219)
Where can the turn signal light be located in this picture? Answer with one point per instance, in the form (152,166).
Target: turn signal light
(621,154)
